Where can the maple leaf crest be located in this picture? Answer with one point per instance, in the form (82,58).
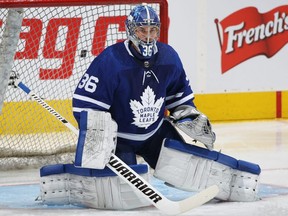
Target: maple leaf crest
(146,112)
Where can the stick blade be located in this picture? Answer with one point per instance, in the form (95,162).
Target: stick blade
(192,202)
(199,199)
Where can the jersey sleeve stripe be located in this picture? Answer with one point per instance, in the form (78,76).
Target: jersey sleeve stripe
(179,102)
(174,96)
(90,100)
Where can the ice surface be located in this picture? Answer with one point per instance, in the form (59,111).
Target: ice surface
(262,142)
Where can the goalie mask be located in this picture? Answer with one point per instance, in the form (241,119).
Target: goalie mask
(142,28)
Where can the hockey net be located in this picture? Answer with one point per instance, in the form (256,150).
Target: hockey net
(54,43)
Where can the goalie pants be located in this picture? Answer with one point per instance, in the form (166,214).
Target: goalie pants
(149,149)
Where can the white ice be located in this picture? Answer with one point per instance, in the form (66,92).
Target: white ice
(261,142)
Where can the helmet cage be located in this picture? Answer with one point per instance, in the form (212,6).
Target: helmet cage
(142,16)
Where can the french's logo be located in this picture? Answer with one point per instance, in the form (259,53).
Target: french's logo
(247,33)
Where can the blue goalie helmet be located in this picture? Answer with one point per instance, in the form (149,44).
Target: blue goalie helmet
(143,29)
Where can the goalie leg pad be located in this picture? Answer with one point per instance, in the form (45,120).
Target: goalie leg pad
(97,139)
(193,168)
(64,184)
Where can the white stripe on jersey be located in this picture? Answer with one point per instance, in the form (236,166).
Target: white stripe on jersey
(90,100)
(139,137)
(174,96)
(177,103)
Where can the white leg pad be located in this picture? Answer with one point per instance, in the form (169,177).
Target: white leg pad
(63,186)
(97,139)
(54,189)
(192,168)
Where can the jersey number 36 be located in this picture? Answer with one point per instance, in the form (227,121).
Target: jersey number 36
(89,83)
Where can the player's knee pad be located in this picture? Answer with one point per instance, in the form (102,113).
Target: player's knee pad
(193,168)
(64,184)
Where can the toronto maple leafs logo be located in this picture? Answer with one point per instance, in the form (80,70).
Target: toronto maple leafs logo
(146,112)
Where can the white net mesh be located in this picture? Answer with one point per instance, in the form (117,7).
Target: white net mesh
(55,47)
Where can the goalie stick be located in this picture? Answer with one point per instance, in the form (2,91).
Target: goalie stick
(131,177)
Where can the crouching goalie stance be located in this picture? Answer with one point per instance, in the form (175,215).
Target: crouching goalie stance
(120,105)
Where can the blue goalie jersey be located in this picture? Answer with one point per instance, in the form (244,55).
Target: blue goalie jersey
(135,92)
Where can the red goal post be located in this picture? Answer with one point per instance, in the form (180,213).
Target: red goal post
(57,41)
